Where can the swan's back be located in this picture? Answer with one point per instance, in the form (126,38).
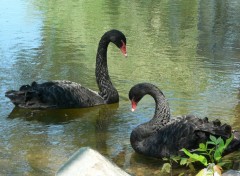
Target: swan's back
(54,94)
(185,132)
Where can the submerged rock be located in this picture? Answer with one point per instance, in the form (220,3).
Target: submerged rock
(88,162)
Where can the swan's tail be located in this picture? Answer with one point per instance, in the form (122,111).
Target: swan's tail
(26,97)
(18,97)
(204,128)
(223,131)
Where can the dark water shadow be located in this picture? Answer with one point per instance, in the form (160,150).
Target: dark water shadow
(57,116)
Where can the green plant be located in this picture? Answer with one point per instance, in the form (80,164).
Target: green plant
(211,152)
(167,167)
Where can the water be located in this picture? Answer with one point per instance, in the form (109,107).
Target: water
(189,49)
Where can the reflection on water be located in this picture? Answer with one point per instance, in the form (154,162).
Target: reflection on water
(189,49)
(58,116)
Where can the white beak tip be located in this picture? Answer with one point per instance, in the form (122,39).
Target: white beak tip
(133,110)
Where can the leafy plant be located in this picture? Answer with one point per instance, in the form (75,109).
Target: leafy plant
(212,150)
(209,154)
(167,167)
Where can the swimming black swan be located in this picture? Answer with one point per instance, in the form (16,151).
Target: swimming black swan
(67,94)
(163,137)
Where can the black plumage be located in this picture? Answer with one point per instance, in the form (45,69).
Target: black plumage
(163,136)
(67,94)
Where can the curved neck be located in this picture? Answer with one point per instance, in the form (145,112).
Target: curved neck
(106,90)
(160,119)
(162,110)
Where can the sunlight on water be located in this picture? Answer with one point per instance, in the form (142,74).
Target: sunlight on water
(189,49)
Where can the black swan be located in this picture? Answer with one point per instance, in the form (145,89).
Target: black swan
(163,137)
(67,94)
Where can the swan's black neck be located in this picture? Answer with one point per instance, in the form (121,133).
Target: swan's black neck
(162,110)
(106,89)
(160,118)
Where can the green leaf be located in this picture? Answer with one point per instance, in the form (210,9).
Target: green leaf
(202,146)
(219,140)
(210,142)
(197,157)
(228,141)
(165,159)
(176,159)
(213,138)
(183,161)
(221,147)
(221,143)
(166,167)
(217,155)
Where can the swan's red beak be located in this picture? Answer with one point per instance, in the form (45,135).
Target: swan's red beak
(134,105)
(124,49)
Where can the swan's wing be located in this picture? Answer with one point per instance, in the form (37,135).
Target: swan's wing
(203,125)
(185,132)
(54,94)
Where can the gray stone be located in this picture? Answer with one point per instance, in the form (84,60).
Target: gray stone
(88,162)
(231,173)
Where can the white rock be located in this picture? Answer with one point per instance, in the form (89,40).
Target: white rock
(88,162)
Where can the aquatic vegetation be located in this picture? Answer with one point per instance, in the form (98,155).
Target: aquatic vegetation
(211,152)
(208,154)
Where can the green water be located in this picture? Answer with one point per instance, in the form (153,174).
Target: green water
(189,49)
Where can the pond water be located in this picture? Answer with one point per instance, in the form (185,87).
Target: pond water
(189,49)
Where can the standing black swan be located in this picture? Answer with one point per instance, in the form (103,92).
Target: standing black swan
(163,137)
(67,94)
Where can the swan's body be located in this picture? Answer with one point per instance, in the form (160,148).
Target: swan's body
(67,94)
(163,137)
